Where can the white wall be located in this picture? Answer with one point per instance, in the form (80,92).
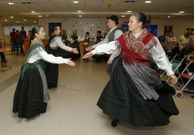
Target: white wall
(1,29)
(6,29)
(93,24)
(83,25)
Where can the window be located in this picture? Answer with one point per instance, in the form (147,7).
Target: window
(8,29)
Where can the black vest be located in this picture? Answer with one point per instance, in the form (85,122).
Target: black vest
(111,36)
(49,49)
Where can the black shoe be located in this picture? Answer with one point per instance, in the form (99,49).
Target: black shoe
(192,96)
(114,123)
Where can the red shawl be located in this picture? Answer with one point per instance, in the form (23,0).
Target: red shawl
(135,49)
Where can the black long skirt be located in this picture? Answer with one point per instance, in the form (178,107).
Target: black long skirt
(28,98)
(52,70)
(121,100)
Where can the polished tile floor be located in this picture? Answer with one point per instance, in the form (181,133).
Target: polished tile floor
(72,109)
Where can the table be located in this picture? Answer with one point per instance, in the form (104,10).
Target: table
(5,49)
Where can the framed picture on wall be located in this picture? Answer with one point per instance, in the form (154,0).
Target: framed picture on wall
(125,26)
(51,25)
(153,29)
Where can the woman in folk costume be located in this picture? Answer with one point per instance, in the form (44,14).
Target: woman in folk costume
(135,93)
(55,43)
(31,95)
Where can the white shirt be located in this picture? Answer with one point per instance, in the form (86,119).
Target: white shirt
(156,52)
(41,54)
(117,34)
(57,42)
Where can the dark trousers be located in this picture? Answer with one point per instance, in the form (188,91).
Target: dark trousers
(3,58)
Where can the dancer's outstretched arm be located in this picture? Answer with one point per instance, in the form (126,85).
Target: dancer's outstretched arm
(105,48)
(52,59)
(64,46)
(94,46)
(117,34)
(161,60)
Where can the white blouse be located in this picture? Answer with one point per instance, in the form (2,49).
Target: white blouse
(156,52)
(42,54)
(57,42)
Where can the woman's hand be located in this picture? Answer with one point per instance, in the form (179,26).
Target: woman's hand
(71,63)
(89,48)
(74,50)
(109,62)
(173,79)
(87,55)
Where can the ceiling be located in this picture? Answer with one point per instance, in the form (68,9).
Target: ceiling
(22,9)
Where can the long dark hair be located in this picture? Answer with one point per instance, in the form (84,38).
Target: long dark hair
(53,29)
(141,17)
(33,33)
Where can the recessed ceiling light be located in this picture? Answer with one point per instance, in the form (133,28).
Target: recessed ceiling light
(129,1)
(181,12)
(80,16)
(25,20)
(11,3)
(129,11)
(79,11)
(75,1)
(168,16)
(11,17)
(33,12)
(123,16)
(26,2)
(5,20)
(40,16)
(148,1)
